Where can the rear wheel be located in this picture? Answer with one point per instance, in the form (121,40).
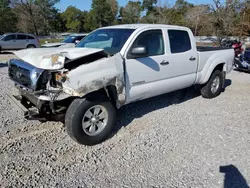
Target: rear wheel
(31,46)
(90,122)
(213,87)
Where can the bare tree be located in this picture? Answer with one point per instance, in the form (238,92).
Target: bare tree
(162,12)
(224,16)
(27,10)
(196,15)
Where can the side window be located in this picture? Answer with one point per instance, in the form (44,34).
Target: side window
(79,38)
(30,37)
(10,37)
(21,37)
(152,40)
(179,41)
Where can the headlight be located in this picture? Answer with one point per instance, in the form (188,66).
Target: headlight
(54,61)
(60,77)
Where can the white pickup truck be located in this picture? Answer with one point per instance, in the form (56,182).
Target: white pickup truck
(111,67)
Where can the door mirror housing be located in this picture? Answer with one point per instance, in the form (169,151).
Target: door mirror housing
(138,51)
(77,41)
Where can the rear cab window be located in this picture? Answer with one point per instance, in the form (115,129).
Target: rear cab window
(179,41)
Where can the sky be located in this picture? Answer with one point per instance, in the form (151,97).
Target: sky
(86,4)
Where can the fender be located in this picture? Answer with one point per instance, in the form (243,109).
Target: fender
(209,67)
(97,75)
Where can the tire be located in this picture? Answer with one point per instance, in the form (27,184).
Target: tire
(31,46)
(209,90)
(77,114)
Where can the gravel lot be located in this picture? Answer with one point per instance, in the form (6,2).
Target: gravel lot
(168,141)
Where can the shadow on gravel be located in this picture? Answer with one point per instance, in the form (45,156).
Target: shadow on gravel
(136,110)
(2,65)
(233,177)
(228,82)
(241,70)
(6,53)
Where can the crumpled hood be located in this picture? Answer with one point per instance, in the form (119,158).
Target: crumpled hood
(53,58)
(54,44)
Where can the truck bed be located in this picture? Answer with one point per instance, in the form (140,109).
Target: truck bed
(208,54)
(210,48)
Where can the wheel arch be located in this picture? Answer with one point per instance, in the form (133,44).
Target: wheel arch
(216,65)
(30,45)
(109,92)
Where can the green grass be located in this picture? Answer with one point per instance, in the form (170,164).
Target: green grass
(42,41)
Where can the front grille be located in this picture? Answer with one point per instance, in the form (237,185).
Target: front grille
(24,74)
(20,75)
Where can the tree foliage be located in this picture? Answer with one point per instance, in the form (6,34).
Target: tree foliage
(35,16)
(8,19)
(74,19)
(47,12)
(220,17)
(102,12)
(131,12)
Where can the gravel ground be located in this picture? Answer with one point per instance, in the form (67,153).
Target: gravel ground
(5,56)
(167,141)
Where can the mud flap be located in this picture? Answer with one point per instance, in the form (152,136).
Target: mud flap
(223,80)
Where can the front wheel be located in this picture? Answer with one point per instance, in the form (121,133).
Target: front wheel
(90,122)
(213,87)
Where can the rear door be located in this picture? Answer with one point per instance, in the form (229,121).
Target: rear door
(182,59)
(9,42)
(22,41)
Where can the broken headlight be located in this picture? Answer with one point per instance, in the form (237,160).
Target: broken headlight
(55,61)
(60,77)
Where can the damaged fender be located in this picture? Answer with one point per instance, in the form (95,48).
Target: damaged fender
(97,75)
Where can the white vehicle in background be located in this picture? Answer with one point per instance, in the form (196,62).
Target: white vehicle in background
(112,67)
(18,41)
(69,41)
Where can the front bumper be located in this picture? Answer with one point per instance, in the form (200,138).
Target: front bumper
(36,95)
(29,113)
(35,109)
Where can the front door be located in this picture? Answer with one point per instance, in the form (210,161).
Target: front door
(144,75)
(9,42)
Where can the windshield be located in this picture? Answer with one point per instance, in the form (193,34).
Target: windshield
(2,36)
(70,39)
(111,40)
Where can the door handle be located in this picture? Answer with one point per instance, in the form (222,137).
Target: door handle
(163,63)
(192,58)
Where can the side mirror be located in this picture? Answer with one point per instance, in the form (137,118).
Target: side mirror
(77,41)
(139,51)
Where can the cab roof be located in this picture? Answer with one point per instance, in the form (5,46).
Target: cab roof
(142,26)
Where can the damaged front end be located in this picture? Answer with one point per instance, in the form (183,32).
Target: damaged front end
(48,87)
(37,88)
